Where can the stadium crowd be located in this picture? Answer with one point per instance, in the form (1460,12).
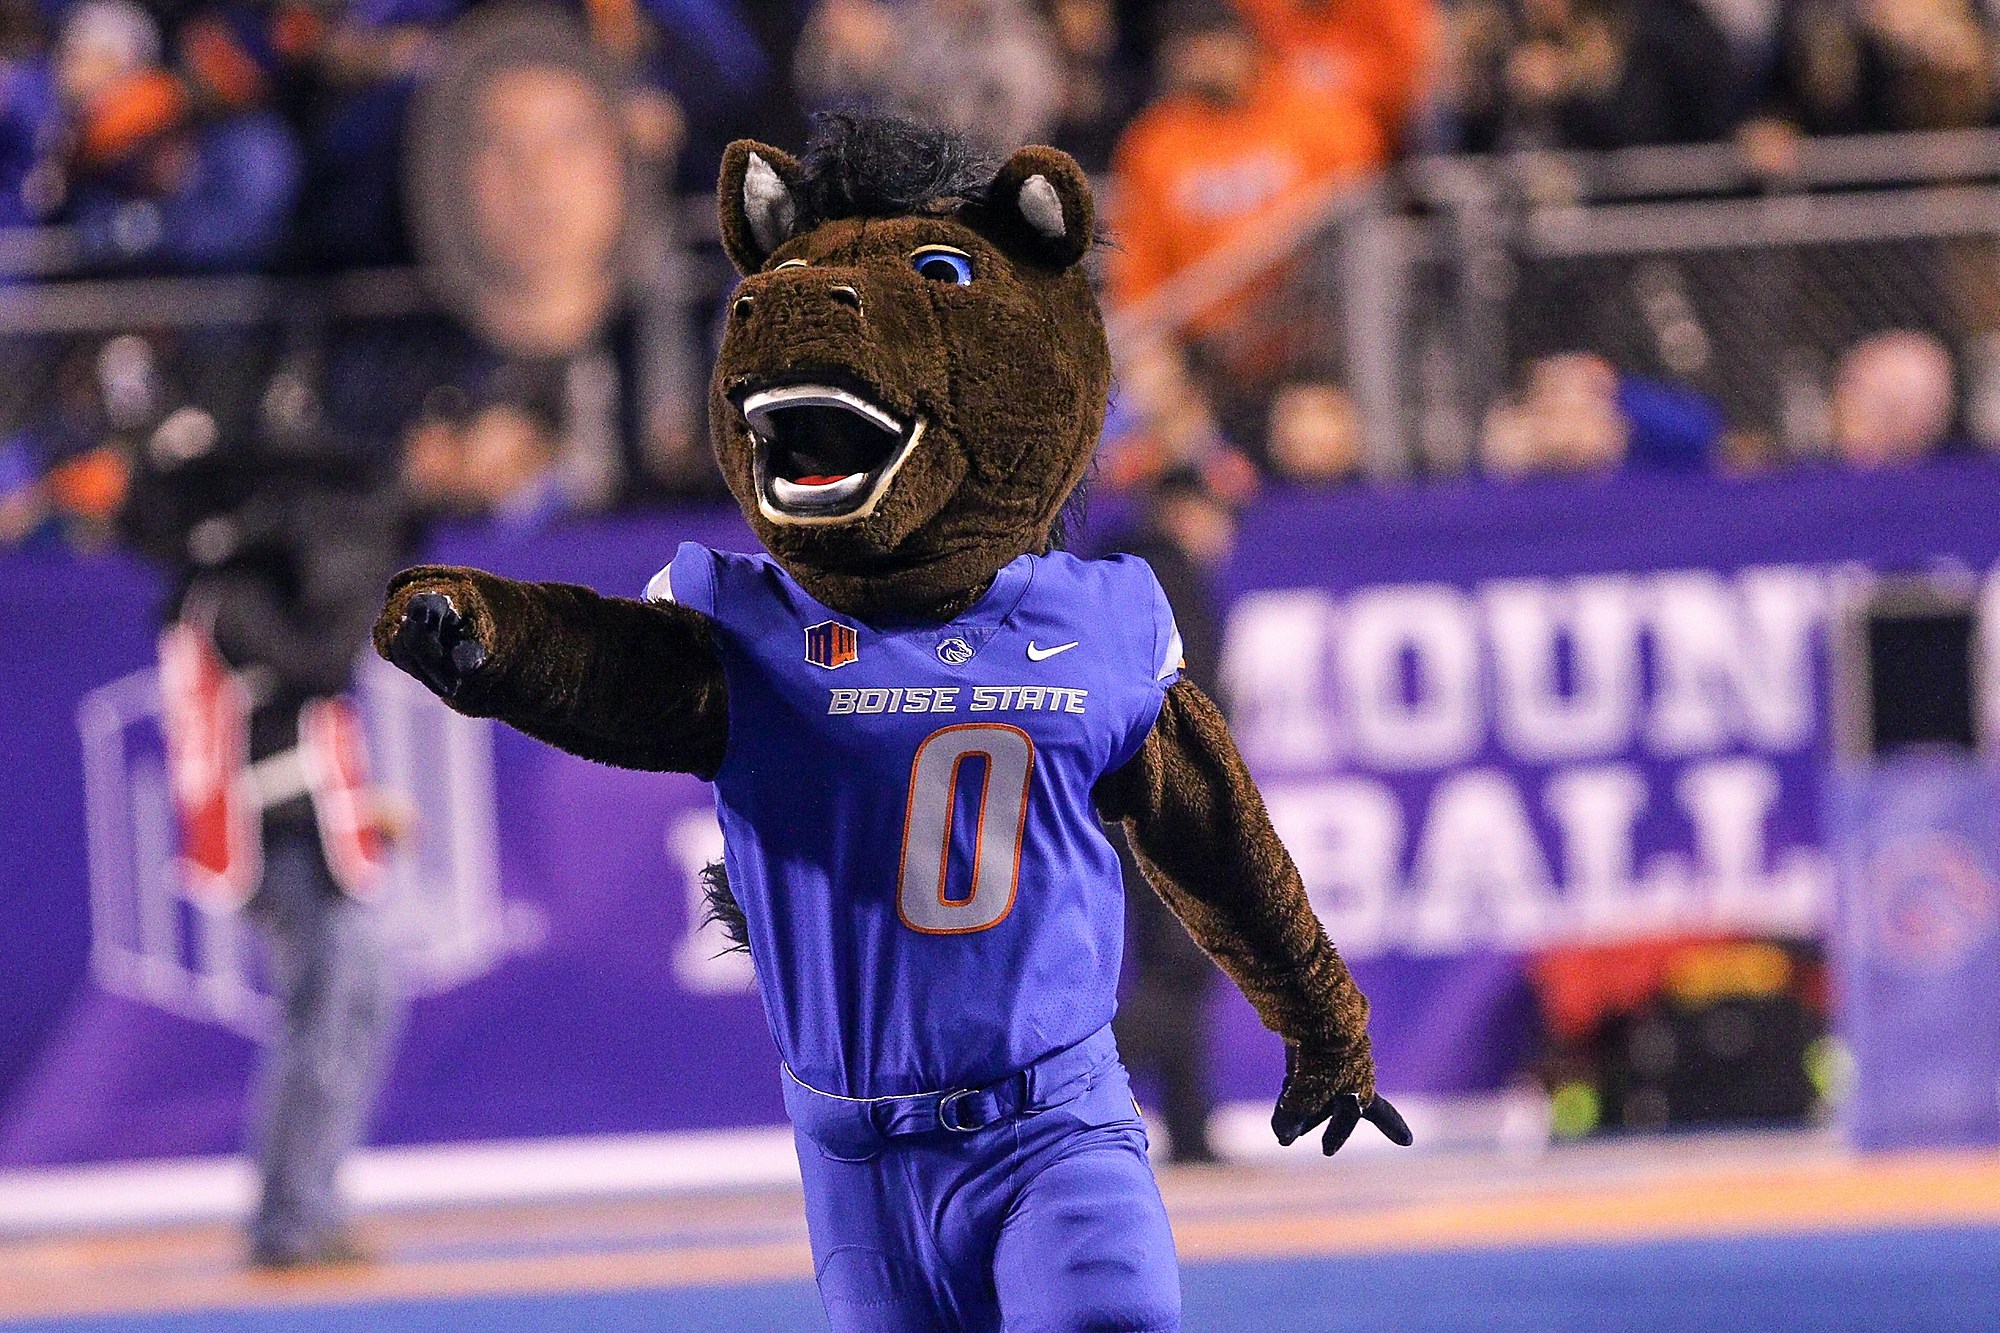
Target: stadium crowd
(532,158)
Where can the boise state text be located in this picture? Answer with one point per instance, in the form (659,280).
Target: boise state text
(944,699)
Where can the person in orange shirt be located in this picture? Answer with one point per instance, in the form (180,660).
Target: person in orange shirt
(1378,51)
(1234,138)
(1229,166)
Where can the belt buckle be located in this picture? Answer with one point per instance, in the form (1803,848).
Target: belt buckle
(947,1112)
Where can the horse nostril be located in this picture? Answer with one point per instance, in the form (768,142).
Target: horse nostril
(742,307)
(847,296)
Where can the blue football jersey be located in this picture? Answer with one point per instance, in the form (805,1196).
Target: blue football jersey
(907,811)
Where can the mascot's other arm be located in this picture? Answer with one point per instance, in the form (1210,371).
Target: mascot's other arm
(632,684)
(1200,832)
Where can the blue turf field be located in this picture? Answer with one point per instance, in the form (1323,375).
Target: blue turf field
(1905,1281)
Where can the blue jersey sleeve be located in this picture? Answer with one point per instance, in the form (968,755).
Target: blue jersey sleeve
(688,580)
(1169,657)
(1156,648)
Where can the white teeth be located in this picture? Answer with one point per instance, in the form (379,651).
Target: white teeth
(757,408)
(822,494)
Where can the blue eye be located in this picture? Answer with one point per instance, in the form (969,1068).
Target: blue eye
(941,263)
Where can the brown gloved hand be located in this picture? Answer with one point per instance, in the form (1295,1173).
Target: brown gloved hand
(1337,1086)
(438,626)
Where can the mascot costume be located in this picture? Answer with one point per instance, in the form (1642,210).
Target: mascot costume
(916,712)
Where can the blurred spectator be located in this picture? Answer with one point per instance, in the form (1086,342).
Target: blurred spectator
(1234,137)
(1566,419)
(64,472)
(72,500)
(366,62)
(987,68)
(1894,397)
(497,457)
(1186,535)
(1100,87)
(170,169)
(1379,52)
(536,226)
(1238,148)
(1314,436)
(278,548)
(520,176)
(1590,74)
(1868,66)
(1578,413)
(31,134)
(1161,422)
(165,167)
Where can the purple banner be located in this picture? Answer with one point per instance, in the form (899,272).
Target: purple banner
(1487,719)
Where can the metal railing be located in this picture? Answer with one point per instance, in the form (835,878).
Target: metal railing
(223,335)
(1426,293)
(1443,282)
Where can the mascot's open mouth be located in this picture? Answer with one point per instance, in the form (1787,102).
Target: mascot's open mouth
(824,455)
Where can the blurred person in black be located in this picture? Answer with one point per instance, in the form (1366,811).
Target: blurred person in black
(1839,67)
(1102,83)
(1186,534)
(278,544)
(1589,74)
(990,69)
(1878,66)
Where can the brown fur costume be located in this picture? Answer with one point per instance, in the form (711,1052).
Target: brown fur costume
(1007,377)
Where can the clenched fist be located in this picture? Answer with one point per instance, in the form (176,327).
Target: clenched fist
(437,626)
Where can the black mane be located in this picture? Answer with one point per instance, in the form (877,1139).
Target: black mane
(879,166)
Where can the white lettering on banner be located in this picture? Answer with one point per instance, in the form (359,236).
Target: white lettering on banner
(1594,809)
(1411,660)
(1347,837)
(1535,626)
(1275,673)
(1728,801)
(1734,663)
(1479,875)
(1541,759)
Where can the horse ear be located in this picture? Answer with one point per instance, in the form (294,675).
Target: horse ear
(756,202)
(1043,198)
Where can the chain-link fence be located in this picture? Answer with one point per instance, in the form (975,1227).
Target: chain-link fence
(1427,301)
(349,364)
(1432,300)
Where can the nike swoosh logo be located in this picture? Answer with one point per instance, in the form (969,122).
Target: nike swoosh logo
(1044,654)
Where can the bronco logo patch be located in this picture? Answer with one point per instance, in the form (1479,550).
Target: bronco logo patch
(831,644)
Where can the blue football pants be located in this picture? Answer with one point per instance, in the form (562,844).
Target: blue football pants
(1047,1222)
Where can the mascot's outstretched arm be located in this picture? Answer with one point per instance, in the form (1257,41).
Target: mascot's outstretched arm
(1205,842)
(633,684)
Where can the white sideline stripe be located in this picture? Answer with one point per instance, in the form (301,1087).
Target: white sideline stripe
(1514,1121)
(210,1189)
(221,1188)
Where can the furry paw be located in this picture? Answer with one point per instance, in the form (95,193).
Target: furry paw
(432,628)
(1337,1087)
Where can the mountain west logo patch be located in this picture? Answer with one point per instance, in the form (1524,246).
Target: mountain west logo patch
(831,644)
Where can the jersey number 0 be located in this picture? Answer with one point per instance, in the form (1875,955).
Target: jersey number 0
(997,830)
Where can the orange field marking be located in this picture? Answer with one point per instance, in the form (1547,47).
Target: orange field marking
(1372,1205)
